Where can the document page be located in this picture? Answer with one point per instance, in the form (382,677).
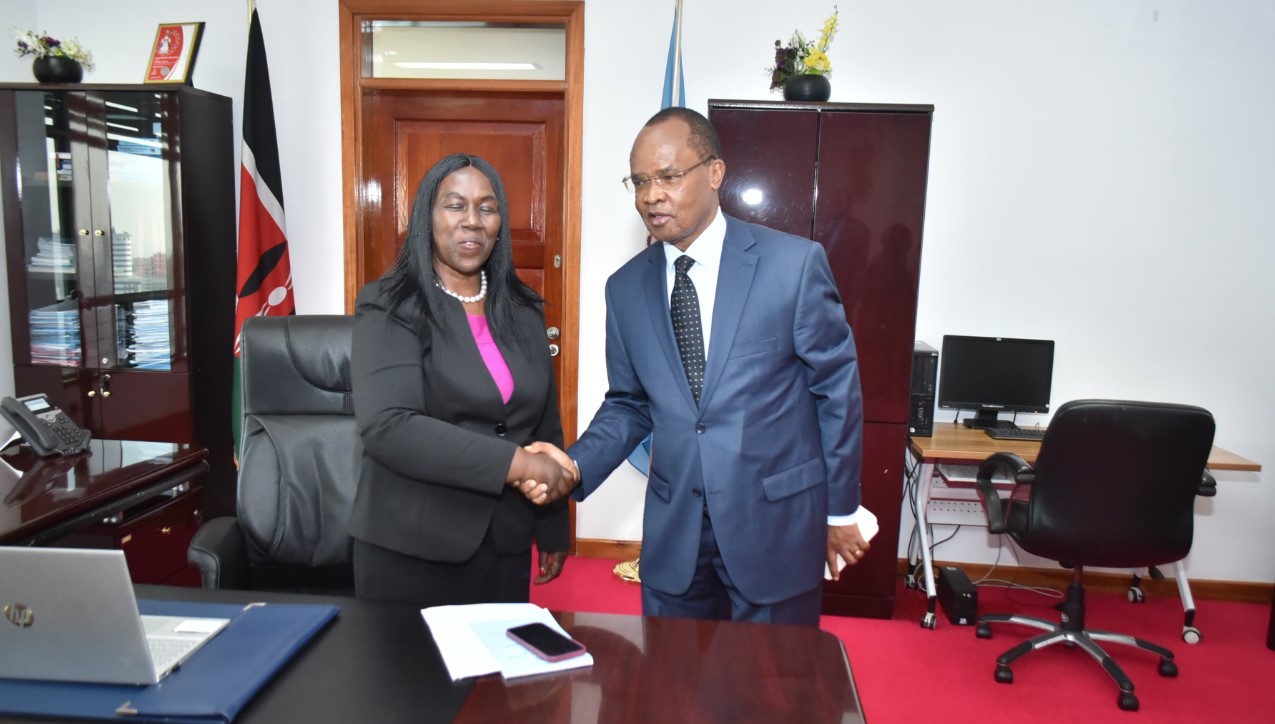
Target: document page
(868,527)
(473,642)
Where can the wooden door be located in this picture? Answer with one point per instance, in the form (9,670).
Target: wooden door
(521,135)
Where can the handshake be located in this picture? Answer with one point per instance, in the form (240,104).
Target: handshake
(543,472)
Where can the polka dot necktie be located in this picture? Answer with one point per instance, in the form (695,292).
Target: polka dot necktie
(684,308)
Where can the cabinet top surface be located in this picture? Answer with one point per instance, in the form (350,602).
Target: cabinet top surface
(715,103)
(110,87)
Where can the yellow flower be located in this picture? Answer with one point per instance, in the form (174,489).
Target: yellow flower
(817,62)
(829,30)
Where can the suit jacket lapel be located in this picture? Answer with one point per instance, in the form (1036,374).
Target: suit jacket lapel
(734,280)
(655,284)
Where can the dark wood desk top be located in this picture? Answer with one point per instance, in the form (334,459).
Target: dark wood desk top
(377,662)
(681,670)
(46,497)
(957,443)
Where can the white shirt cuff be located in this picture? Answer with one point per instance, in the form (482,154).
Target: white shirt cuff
(852,519)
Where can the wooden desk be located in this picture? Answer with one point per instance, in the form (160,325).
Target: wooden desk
(959,444)
(112,495)
(377,663)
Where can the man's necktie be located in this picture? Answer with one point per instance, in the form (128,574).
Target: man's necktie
(687,327)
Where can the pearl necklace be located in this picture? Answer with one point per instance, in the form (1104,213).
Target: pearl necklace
(481,295)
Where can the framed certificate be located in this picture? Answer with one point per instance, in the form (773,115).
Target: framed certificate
(173,56)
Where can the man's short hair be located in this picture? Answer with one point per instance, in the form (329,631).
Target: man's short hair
(703,136)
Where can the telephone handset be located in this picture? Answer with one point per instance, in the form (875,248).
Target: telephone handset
(45,427)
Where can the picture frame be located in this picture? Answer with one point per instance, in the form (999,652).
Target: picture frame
(173,53)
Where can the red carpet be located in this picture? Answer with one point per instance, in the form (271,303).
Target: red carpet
(909,674)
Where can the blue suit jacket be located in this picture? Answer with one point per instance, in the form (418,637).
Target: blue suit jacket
(774,446)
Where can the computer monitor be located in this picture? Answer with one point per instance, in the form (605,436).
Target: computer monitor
(990,374)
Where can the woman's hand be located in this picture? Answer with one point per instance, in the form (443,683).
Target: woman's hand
(550,565)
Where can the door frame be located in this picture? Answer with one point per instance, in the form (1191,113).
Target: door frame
(568,12)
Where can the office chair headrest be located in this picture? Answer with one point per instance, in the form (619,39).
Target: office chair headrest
(306,364)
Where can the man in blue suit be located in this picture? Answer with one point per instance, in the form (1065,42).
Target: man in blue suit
(729,342)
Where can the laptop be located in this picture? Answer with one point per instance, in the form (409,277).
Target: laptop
(69,614)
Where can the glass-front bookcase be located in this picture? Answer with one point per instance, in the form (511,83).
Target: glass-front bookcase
(119,235)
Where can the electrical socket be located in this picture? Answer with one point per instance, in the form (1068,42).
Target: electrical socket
(955,512)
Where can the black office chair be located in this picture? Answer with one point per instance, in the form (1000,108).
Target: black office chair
(298,463)
(1114,485)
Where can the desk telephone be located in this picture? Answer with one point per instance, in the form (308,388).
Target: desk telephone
(45,427)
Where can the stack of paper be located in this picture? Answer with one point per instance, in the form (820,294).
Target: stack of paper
(473,642)
(53,255)
(144,334)
(55,335)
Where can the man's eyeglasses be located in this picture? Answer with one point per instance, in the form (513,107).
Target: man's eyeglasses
(670,180)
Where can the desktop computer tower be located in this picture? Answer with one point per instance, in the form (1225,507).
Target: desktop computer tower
(925,369)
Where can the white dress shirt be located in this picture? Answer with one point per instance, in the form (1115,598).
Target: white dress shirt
(706,250)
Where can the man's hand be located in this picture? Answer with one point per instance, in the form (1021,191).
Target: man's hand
(550,566)
(539,476)
(568,482)
(846,541)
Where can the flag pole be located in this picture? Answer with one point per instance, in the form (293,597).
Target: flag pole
(677,59)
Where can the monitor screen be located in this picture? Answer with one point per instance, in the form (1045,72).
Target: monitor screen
(989,374)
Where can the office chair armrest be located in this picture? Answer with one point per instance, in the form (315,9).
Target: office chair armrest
(1208,486)
(218,551)
(1023,475)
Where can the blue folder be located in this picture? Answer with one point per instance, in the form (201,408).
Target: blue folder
(213,685)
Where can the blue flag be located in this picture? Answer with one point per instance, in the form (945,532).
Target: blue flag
(640,458)
(674,67)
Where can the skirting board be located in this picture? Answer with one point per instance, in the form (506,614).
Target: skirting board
(1244,591)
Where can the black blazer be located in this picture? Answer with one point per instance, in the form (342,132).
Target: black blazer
(437,437)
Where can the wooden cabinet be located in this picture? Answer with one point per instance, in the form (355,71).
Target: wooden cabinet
(853,178)
(119,229)
(154,536)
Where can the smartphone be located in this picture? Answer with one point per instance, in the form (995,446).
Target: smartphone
(545,642)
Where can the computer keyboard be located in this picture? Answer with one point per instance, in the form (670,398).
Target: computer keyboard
(1019,433)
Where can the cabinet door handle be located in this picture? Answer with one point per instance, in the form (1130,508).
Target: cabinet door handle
(99,232)
(84,232)
(166,530)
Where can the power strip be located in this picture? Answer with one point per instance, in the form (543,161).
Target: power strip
(955,512)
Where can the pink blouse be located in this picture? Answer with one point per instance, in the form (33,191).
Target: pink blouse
(491,356)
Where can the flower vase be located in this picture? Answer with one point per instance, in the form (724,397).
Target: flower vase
(57,69)
(807,87)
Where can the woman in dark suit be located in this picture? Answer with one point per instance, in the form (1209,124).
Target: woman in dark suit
(452,376)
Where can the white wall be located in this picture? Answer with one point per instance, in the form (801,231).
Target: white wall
(1109,163)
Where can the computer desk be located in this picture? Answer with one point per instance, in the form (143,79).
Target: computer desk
(376,662)
(954,443)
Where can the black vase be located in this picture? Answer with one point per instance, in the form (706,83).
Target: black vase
(56,69)
(807,88)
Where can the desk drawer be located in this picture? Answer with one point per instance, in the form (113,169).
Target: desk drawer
(154,536)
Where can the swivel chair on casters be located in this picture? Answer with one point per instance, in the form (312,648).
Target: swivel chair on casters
(1114,485)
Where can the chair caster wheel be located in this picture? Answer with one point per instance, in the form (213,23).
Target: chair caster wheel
(1191,635)
(1005,676)
(928,621)
(1168,668)
(1136,595)
(983,631)
(910,581)
(1128,701)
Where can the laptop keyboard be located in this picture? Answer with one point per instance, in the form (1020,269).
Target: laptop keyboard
(167,651)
